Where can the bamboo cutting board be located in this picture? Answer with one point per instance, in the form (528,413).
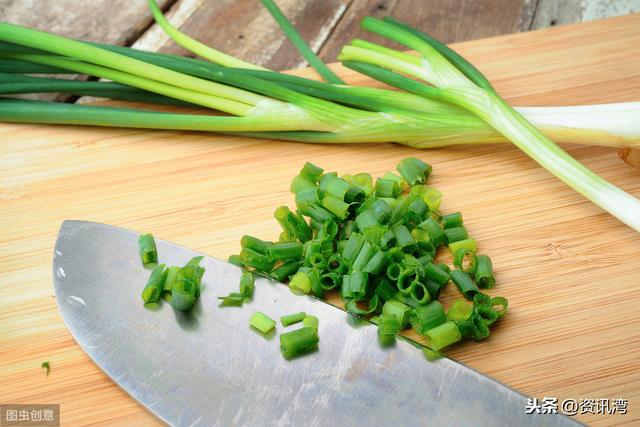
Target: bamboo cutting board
(570,270)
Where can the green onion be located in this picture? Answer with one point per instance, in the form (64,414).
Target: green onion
(416,211)
(354,285)
(443,335)
(466,244)
(284,250)
(460,84)
(460,310)
(435,231)
(290,319)
(352,306)
(419,292)
(385,291)
(404,239)
(235,260)
(311,322)
(367,251)
(253,259)
(437,274)
(456,234)
(452,220)
(406,278)
(247,284)
(300,283)
(465,259)
(484,272)
(398,309)
(426,317)
(298,342)
(377,263)
(148,251)
(414,170)
(387,188)
(234,299)
(153,290)
(464,284)
(47,366)
(285,270)
(388,327)
(255,244)
(186,289)
(262,322)
(172,275)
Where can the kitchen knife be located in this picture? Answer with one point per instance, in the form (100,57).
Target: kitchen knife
(207,367)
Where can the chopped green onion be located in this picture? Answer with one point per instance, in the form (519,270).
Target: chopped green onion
(404,239)
(284,250)
(419,292)
(255,244)
(290,319)
(484,272)
(452,220)
(432,197)
(247,284)
(262,322)
(431,355)
(456,234)
(316,284)
(414,170)
(330,281)
(416,212)
(443,335)
(234,299)
(284,271)
(311,172)
(186,289)
(367,251)
(460,310)
(253,259)
(354,245)
(435,231)
(434,288)
(300,283)
(387,188)
(388,327)
(426,317)
(235,260)
(502,303)
(352,306)
(464,284)
(153,290)
(336,206)
(398,309)
(467,244)
(354,285)
(382,211)
(148,251)
(385,291)
(437,274)
(47,366)
(311,322)
(377,263)
(172,275)
(465,260)
(298,342)
(407,276)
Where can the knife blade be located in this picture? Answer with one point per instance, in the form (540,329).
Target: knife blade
(207,367)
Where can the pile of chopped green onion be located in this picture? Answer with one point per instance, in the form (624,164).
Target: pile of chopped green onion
(179,286)
(376,243)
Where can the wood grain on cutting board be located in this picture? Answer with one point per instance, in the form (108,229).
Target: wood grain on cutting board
(570,270)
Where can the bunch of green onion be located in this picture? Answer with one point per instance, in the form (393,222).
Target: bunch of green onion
(376,244)
(459,106)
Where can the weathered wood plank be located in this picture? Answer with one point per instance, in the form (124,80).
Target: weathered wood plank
(245,29)
(109,21)
(87,20)
(552,12)
(447,20)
